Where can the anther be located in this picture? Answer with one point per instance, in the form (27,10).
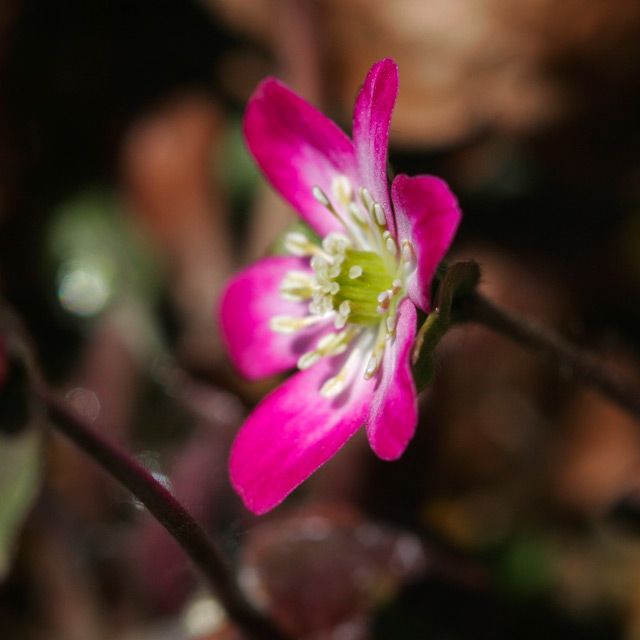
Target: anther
(289,324)
(341,188)
(396,286)
(390,243)
(378,214)
(321,197)
(366,198)
(355,271)
(390,323)
(308,359)
(297,244)
(344,310)
(296,285)
(384,300)
(333,386)
(372,367)
(408,252)
(333,343)
(357,213)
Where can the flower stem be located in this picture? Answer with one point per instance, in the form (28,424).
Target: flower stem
(557,350)
(168,511)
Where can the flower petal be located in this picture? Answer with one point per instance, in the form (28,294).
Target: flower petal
(297,148)
(371,121)
(427,214)
(249,302)
(394,413)
(292,432)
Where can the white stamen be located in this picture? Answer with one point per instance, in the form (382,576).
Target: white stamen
(408,252)
(344,310)
(390,243)
(372,367)
(333,343)
(396,286)
(341,189)
(378,214)
(384,301)
(289,324)
(336,385)
(334,287)
(391,325)
(340,322)
(321,197)
(355,271)
(296,286)
(366,198)
(335,244)
(333,387)
(298,244)
(357,213)
(308,359)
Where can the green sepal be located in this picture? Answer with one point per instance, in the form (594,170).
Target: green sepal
(457,280)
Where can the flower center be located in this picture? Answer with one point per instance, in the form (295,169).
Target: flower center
(357,281)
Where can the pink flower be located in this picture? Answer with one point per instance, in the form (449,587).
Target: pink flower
(343,311)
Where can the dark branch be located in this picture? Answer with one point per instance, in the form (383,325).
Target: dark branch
(582,365)
(169,512)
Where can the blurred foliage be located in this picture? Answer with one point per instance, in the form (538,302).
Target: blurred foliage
(99,255)
(20,475)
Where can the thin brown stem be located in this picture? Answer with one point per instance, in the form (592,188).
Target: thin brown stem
(168,511)
(581,364)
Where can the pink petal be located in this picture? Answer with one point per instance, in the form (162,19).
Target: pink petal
(394,413)
(427,214)
(249,302)
(371,121)
(292,432)
(297,147)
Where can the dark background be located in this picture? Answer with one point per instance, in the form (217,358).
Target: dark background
(127,199)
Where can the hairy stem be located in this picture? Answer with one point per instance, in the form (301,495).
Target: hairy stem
(581,364)
(168,511)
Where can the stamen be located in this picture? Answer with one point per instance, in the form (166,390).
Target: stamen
(321,197)
(366,198)
(390,243)
(378,214)
(290,324)
(342,190)
(336,385)
(333,387)
(333,343)
(372,367)
(298,244)
(390,323)
(357,213)
(335,244)
(308,359)
(396,286)
(355,271)
(296,286)
(384,300)
(344,310)
(408,252)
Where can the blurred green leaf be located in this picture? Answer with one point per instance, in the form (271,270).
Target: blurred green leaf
(525,567)
(19,485)
(99,255)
